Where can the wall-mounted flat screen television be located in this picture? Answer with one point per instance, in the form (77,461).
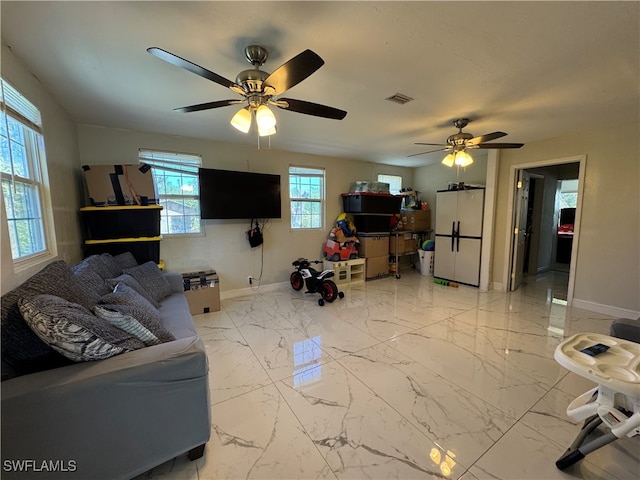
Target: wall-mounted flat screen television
(230,194)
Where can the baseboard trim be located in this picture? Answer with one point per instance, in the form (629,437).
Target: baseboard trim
(497,286)
(241,292)
(605,309)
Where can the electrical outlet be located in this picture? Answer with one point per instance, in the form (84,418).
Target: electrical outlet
(250,279)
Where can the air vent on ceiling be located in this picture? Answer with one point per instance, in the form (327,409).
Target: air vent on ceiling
(399,98)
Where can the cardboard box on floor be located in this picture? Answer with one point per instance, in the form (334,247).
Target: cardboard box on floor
(203,295)
(377,267)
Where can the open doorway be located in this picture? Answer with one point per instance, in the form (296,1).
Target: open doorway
(545,228)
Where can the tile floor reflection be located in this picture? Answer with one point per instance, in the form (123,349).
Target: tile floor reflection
(402,378)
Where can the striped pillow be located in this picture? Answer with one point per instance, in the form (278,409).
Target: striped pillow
(127,323)
(126,300)
(74,331)
(127,279)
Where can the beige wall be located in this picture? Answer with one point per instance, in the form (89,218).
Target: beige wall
(608,256)
(428,180)
(224,246)
(62,160)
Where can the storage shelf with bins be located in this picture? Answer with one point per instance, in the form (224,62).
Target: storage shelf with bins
(346,271)
(409,245)
(122,228)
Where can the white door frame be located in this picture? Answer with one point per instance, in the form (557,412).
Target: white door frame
(488,221)
(582,160)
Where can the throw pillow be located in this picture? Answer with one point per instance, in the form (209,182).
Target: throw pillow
(91,280)
(73,331)
(98,266)
(21,348)
(133,283)
(152,279)
(127,323)
(110,264)
(126,260)
(126,300)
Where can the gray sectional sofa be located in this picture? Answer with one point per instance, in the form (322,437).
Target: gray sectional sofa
(107,388)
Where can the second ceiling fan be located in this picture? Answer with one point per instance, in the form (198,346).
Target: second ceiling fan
(459,142)
(259,88)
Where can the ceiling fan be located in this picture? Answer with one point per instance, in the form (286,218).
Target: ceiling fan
(259,88)
(459,142)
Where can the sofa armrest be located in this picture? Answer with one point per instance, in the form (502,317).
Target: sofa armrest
(113,418)
(175,280)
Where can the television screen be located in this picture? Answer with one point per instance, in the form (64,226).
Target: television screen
(230,194)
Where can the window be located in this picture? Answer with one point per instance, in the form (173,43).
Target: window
(175,176)
(394,181)
(23,168)
(306,194)
(568,193)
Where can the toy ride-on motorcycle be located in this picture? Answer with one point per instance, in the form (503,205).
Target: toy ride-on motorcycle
(316,282)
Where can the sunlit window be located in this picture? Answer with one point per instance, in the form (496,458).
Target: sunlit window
(23,163)
(394,181)
(175,176)
(568,193)
(306,194)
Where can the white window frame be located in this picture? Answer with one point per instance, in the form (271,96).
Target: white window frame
(392,180)
(296,171)
(15,107)
(184,164)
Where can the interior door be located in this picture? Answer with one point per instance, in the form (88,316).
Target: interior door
(519,229)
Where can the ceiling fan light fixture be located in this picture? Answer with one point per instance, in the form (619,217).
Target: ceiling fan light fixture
(463,159)
(265,132)
(265,118)
(242,120)
(448,160)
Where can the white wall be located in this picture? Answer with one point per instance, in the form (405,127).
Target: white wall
(64,177)
(608,257)
(224,246)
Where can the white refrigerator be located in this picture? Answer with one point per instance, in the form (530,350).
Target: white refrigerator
(458,235)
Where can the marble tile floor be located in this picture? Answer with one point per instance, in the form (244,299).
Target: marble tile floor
(402,379)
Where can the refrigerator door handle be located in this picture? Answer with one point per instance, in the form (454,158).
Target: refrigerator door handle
(458,237)
(453,234)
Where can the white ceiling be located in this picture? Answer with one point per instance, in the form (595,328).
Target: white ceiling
(535,70)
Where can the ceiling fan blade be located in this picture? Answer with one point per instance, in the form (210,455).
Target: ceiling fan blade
(208,106)
(294,71)
(194,68)
(498,145)
(430,151)
(434,144)
(309,108)
(485,138)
